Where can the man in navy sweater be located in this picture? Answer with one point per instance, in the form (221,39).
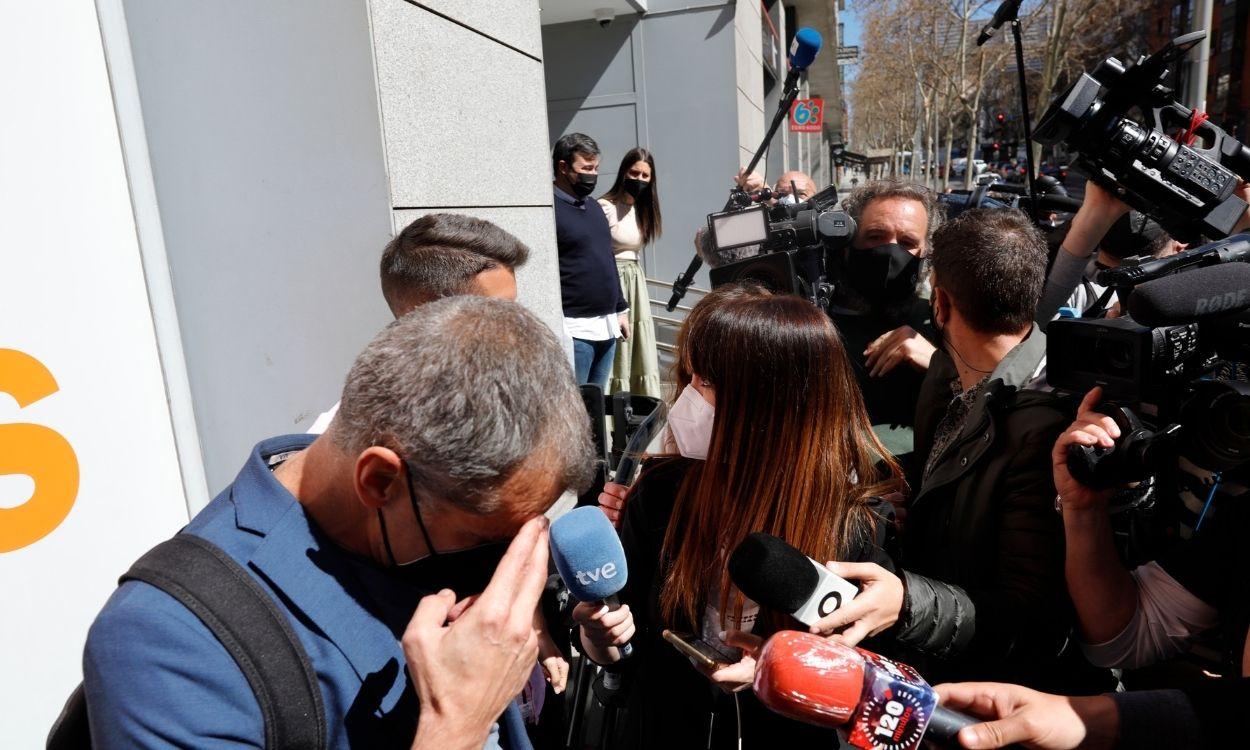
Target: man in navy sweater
(595,313)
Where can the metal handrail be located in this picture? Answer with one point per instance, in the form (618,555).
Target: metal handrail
(665,347)
(667,285)
(667,321)
(661,303)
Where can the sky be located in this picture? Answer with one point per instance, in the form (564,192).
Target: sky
(852,27)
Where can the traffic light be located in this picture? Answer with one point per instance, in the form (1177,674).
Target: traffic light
(1001,117)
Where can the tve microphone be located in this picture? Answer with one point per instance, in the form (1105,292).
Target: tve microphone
(1008,10)
(1192,294)
(876,703)
(588,554)
(773,573)
(803,50)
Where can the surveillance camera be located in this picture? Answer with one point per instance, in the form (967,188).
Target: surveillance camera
(604,17)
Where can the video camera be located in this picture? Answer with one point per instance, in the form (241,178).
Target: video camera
(1187,313)
(782,246)
(1185,182)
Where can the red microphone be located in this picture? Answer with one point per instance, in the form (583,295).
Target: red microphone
(878,704)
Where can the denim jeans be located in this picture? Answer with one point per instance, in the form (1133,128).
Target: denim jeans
(592,361)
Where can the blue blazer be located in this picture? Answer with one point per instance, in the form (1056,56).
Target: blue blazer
(155,676)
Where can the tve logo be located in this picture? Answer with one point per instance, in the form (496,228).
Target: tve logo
(35,451)
(587,577)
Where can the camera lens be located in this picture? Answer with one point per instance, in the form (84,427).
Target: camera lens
(1114,357)
(1126,136)
(1217,423)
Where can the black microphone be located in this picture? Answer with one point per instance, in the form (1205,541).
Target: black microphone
(772,573)
(1192,295)
(1009,10)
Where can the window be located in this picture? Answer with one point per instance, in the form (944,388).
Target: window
(1176,20)
(1226,40)
(1221,90)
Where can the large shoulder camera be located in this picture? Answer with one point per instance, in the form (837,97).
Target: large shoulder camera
(1159,381)
(783,246)
(1185,181)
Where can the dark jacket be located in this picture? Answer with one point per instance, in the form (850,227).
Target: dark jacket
(983,546)
(671,704)
(890,399)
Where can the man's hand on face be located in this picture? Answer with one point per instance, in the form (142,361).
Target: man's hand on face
(902,345)
(468,661)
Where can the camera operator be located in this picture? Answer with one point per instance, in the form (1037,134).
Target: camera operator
(982,549)
(877,303)
(1134,618)
(1099,213)
(794,187)
(1133,234)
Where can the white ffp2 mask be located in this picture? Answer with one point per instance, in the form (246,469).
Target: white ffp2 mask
(690,422)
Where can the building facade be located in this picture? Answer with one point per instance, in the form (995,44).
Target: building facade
(698,85)
(196,197)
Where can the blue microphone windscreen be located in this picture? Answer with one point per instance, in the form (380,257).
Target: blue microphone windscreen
(588,554)
(804,48)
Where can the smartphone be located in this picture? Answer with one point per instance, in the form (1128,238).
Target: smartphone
(702,653)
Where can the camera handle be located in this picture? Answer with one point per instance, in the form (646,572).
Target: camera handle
(686,278)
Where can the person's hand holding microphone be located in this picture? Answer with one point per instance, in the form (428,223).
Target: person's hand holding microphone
(1018,715)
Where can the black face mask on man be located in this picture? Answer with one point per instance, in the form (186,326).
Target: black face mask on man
(464,571)
(583,183)
(882,274)
(635,188)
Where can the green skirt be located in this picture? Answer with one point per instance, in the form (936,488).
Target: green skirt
(637,365)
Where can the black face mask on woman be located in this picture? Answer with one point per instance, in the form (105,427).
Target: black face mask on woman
(882,274)
(464,571)
(634,187)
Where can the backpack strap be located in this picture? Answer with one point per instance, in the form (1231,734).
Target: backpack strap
(245,619)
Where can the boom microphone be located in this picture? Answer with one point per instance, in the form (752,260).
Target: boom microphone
(1191,295)
(1008,10)
(772,573)
(875,702)
(588,554)
(803,50)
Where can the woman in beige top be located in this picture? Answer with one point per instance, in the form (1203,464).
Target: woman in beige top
(633,210)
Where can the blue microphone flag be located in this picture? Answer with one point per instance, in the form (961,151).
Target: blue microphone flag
(588,554)
(804,48)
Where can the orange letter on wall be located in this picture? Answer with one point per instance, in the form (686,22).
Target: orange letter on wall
(36,451)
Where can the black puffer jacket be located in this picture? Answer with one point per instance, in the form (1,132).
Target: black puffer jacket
(983,546)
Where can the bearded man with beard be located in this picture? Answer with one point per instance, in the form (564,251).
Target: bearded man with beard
(877,304)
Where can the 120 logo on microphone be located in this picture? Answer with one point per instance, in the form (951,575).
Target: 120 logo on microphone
(896,708)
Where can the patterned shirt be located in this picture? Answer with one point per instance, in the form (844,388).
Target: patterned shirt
(953,420)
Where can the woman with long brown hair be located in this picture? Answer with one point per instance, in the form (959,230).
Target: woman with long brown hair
(769,433)
(632,206)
